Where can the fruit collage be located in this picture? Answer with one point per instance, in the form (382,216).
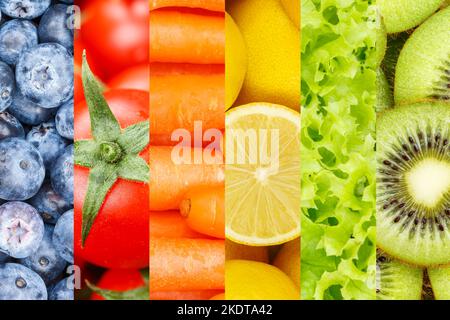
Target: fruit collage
(224,150)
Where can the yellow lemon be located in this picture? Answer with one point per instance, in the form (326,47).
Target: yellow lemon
(235,61)
(262,174)
(288,260)
(273,50)
(250,280)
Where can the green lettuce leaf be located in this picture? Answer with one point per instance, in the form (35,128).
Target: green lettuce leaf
(338,149)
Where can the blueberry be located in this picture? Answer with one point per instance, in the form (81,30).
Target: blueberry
(67,1)
(46,261)
(15,37)
(21,229)
(22,169)
(63,236)
(63,290)
(29,112)
(61,174)
(10,127)
(44,74)
(49,204)
(25,9)
(64,120)
(7,86)
(53,26)
(49,143)
(20,283)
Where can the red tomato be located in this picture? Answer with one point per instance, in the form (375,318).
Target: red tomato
(119,280)
(117,33)
(119,236)
(137,77)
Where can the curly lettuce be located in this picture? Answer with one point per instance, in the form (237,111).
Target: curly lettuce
(338,149)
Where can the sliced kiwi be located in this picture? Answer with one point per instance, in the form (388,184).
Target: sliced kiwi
(413,183)
(423,67)
(440,282)
(385,99)
(402,15)
(397,281)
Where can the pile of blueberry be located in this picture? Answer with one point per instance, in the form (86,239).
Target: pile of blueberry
(36,150)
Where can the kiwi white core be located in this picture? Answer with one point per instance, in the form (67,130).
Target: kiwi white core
(428,181)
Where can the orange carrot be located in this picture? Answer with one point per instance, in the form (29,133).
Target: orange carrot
(186,37)
(184,295)
(169,181)
(170,225)
(204,209)
(161,68)
(177,101)
(186,264)
(213,5)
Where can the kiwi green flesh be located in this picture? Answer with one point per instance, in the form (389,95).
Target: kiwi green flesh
(440,282)
(402,15)
(423,67)
(397,281)
(412,227)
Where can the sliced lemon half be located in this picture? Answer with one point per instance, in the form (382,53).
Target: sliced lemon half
(262,184)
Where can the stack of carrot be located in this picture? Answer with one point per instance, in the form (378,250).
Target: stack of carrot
(187,56)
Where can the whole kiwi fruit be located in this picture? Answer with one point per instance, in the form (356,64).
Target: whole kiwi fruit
(413,183)
(402,15)
(397,281)
(440,282)
(423,67)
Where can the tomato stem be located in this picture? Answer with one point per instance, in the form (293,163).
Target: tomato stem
(112,154)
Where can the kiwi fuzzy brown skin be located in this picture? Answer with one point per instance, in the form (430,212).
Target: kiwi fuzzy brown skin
(397,281)
(409,229)
(423,66)
(395,43)
(402,15)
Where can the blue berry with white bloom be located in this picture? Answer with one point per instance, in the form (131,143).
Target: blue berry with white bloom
(21,229)
(22,170)
(64,120)
(18,282)
(16,36)
(24,9)
(44,74)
